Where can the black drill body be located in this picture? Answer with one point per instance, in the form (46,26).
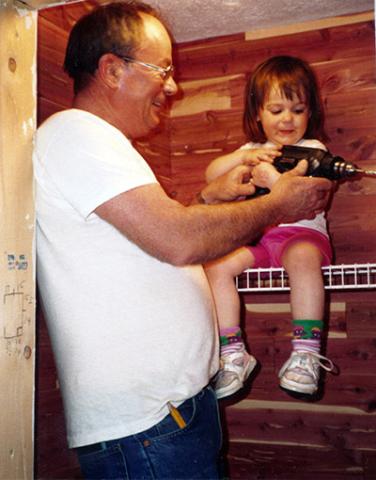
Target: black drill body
(321,163)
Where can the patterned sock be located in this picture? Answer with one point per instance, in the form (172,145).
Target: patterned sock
(230,340)
(307,335)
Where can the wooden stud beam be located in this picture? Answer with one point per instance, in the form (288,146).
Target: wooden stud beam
(17,290)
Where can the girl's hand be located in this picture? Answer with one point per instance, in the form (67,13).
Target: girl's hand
(253,156)
(265,175)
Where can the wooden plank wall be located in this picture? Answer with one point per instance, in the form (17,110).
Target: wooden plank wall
(269,435)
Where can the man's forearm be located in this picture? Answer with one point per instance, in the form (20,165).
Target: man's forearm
(213,231)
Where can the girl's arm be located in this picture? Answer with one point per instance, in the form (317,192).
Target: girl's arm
(224,164)
(242,156)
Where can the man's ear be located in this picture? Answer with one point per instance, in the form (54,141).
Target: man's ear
(110,69)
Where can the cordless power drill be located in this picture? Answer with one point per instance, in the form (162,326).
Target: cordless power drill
(321,163)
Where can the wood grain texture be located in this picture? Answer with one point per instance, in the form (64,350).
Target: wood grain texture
(18,32)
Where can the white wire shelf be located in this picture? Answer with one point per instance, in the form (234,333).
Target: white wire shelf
(336,277)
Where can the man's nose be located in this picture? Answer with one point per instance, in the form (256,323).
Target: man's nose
(170,87)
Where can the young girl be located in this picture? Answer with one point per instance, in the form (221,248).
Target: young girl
(282,108)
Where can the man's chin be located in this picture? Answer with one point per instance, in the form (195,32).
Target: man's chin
(152,129)
(157,124)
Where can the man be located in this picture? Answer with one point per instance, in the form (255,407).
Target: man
(128,307)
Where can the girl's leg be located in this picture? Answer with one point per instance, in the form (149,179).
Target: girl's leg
(221,274)
(302,261)
(236,363)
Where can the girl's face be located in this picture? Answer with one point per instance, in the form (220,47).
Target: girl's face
(284,121)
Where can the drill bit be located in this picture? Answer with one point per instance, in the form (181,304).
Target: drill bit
(349,169)
(370,173)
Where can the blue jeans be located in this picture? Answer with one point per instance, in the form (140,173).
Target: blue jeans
(164,451)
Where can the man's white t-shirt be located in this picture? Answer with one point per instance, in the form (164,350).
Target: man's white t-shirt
(129,332)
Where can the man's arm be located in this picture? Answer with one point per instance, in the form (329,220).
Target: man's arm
(195,234)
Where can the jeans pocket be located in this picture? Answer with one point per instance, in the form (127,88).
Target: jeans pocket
(105,463)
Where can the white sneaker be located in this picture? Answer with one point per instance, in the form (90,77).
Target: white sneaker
(300,373)
(234,370)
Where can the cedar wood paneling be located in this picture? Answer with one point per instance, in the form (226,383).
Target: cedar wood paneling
(269,435)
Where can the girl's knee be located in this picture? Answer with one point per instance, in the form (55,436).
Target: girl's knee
(302,255)
(231,265)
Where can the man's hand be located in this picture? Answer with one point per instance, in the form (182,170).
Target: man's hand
(297,197)
(233,185)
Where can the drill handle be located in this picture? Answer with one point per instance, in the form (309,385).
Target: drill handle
(291,156)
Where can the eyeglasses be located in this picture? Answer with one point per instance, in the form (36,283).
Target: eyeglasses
(164,72)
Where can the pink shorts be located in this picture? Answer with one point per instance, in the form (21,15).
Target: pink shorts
(269,250)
